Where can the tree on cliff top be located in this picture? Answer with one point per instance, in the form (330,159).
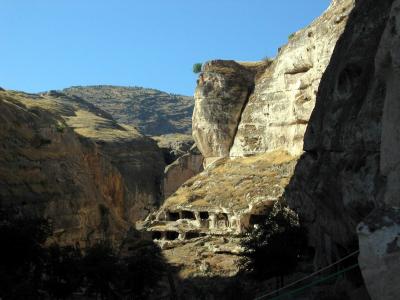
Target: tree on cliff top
(197,68)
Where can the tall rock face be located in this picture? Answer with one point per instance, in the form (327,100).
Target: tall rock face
(64,159)
(350,172)
(248,108)
(222,93)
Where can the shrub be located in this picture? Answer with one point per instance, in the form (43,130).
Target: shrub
(275,246)
(60,127)
(197,68)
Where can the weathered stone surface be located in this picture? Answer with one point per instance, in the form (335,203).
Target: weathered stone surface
(182,169)
(379,259)
(64,159)
(221,94)
(228,198)
(174,145)
(257,109)
(247,108)
(278,111)
(350,171)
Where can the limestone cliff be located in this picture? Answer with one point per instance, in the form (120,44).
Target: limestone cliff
(248,108)
(248,122)
(62,158)
(350,171)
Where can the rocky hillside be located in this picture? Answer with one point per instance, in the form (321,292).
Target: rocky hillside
(151,111)
(63,158)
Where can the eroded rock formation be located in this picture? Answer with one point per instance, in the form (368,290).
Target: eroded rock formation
(64,159)
(181,170)
(350,171)
(338,180)
(256,109)
(222,92)
(247,108)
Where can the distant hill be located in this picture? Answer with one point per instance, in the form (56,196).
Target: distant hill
(151,111)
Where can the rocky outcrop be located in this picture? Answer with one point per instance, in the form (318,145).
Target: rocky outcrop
(223,198)
(248,122)
(174,145)
(181,170)
(338,181)
(222,92)
(210,211)
(350,171)
(64,159)
(379,259)
(183,160)
(247,108)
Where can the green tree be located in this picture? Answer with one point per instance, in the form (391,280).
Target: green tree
(275,246)
(197,68)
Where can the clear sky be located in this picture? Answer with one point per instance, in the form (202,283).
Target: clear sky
(53,44)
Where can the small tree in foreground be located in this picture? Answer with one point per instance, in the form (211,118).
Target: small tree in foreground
(197,68)
(275,246)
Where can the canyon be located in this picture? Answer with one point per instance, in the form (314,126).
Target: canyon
(315,127)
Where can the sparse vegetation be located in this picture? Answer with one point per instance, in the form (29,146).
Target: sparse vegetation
(197,68)
(60,126)
(291,35)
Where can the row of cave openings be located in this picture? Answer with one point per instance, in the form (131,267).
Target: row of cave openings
(174,235)
(218,220)
(206,221)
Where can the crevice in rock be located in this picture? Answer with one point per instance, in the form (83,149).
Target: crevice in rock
(249,93)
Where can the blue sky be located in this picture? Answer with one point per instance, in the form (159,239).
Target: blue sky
(48,44)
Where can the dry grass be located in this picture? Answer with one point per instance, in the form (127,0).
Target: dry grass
(237,183)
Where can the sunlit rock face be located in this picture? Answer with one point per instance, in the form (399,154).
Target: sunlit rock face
(66,160)
(278,111)
(243,109)
(221,94)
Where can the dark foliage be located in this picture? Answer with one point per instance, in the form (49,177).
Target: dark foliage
(22,256)
(144,267)
(63,271)
(102,270)
(197,68)
(31,270)
(275,246)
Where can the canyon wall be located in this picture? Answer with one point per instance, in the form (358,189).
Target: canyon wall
(346,185)
(66,160)
(350,170)
(248,122)
(248,108)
